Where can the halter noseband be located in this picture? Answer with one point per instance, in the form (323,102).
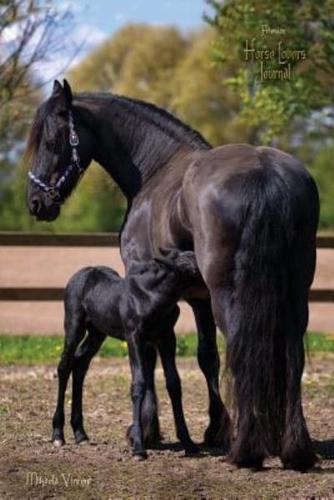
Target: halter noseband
(53,191)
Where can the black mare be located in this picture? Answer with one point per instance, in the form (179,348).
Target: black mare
(99,303)
(249,213)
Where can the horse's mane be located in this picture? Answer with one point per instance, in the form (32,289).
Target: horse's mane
(148,124)
(160,117)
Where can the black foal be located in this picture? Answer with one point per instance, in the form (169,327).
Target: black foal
(100,303)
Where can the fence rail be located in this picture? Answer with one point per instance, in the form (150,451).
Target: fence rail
(99,240)
(50,294)
(61,240)
(94,240)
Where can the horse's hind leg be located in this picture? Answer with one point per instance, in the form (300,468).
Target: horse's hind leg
(296,452)
(74,333)
(296,449)
(219,429)
(167,349)
(82,359)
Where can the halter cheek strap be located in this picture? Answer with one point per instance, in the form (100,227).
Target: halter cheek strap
(53,191)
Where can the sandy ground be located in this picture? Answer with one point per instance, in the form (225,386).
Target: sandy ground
(31,468)
(39,266)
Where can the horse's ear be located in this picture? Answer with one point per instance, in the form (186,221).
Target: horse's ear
(67,92)
(63,96)
(57,88)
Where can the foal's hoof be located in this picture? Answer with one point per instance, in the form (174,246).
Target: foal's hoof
(58,443)
(81,437)
(58,439)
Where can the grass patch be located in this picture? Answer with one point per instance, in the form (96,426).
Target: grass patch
(27,349)
(31,349)
(319,342)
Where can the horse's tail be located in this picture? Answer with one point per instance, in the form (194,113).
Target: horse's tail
(263,318)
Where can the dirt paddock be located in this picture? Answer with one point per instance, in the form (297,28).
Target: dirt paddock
(31,468)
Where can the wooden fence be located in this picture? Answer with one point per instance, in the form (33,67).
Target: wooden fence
(99,240)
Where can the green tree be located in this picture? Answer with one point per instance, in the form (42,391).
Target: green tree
(170,69)
(29,32)
(200,97)
(95,206)
(304,30)
(138,61)
(322,171)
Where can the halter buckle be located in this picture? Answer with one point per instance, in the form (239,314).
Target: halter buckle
(74,139)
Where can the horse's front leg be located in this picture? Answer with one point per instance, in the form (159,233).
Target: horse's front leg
(138,387)
(149,414)
(218,433)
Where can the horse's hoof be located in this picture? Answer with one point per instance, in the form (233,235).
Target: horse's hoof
(140,456)
(301,461)
(58,443)
(191,449)
(217,439)
(151,441)
(254,463)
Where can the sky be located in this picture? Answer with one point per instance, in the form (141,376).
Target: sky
(95,20)
(107,16)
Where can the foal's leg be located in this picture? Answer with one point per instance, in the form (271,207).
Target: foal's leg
(138,388)
(74,333)
(167,349)
(149,414)
(218,432)
(82,359)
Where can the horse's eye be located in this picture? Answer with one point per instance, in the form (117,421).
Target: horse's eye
(62,114)
(50,143)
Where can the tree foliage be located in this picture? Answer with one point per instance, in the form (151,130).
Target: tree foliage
(202,78)
(170,69)
(299,39)
(30,30)
(322,170)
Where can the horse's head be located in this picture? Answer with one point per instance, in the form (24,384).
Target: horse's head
(61,149)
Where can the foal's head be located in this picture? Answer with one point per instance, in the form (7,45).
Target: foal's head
(172,272)
(60,148)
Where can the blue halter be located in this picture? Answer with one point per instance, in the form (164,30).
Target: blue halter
(53,191)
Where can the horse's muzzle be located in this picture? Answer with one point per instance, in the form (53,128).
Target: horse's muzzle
(41,211)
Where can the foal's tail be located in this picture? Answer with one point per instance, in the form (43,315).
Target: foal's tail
(262,318)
